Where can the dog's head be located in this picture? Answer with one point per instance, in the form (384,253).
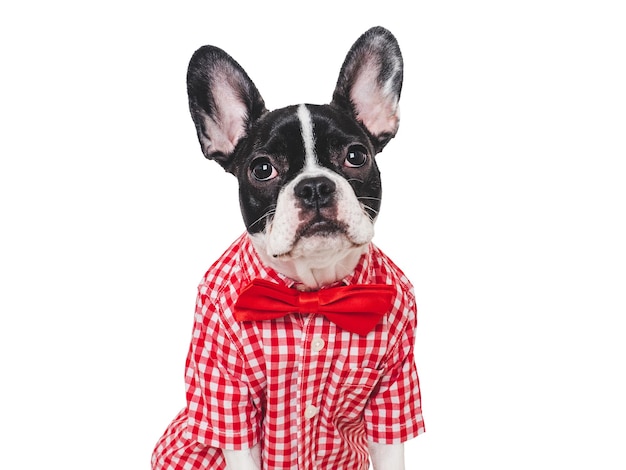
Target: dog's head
(309,186)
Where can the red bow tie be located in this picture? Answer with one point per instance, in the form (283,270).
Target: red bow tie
(357,308)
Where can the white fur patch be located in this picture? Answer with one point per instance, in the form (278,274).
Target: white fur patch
(317,270)
(387,456)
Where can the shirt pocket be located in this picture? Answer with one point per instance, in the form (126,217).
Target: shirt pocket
(352,393)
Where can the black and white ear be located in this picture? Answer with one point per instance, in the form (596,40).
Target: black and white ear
(223,102)
(370,83)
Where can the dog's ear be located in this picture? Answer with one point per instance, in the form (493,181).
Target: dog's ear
(223,102)
(370,83)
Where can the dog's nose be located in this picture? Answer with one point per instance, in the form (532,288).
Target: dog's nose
(315,192)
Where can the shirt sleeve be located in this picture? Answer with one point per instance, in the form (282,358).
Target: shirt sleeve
(394,414)
(221,410)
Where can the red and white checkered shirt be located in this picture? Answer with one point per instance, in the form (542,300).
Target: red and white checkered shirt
(311,393)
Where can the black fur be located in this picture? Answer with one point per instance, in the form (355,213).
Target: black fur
(276,136)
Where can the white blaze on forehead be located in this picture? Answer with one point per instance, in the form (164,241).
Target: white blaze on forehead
(308,138)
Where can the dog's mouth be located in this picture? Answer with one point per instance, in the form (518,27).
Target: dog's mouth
(317,236)
(320,226)
(317,233)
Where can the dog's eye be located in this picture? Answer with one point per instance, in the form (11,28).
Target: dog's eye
(262,170)
(357,156)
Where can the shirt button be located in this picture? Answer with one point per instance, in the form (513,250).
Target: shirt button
(317,344)
(310,412)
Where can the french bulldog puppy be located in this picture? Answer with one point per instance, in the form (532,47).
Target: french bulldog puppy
(303,390)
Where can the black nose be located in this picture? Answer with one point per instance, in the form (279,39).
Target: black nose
(315,192)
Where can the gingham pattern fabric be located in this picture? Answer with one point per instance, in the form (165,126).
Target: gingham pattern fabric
(310,393)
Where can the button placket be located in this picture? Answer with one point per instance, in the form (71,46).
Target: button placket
(316,355)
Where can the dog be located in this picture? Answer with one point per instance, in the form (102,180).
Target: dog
(300,388)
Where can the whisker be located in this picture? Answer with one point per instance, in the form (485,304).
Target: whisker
(355,180)
(371,213)
(271,211)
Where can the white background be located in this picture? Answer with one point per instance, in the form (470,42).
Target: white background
(504,203)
